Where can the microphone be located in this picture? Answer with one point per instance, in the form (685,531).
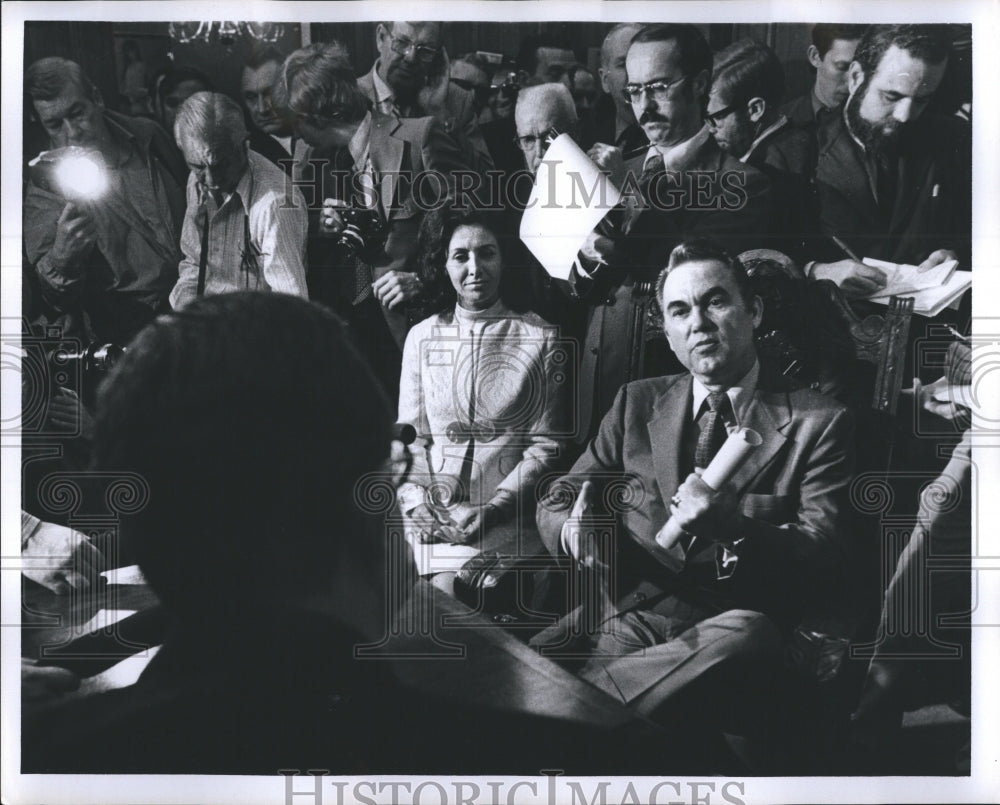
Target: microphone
(404,432)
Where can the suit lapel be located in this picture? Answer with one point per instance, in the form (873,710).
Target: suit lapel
(914,174)
(666,431)
(846,172)
(386,154)
(768,414)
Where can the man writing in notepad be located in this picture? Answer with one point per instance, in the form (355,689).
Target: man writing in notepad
(893,183)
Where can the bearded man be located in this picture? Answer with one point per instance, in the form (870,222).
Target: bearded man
(894,183)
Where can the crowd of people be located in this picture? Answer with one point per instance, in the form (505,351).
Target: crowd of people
(571,417)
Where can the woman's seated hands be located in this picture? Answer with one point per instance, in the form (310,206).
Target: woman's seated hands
(460,523)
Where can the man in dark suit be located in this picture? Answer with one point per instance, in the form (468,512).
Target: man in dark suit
(271,133)
(742,114)
(683,186)
(892,183)
(830,54)
(615,120)
(359,158)
(753,553)
(410,79)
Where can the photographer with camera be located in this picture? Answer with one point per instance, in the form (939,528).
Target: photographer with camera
(243,230)
(102,211)
(373,175)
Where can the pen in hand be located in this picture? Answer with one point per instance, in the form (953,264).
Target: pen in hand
(845,248)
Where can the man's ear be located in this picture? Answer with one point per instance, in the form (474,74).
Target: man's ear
(812,54)
(756,108)
(855,77)
(381,32)
(701,84)
(604,79)
(757,311)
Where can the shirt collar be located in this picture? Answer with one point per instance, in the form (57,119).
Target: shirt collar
(124,138)
(497,310)
(777,124)
(244,188)
(679,156)
(383,92)
(817,104)
(358,146)
(740,393)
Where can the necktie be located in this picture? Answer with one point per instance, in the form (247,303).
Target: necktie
(201,217)
(363,275)
(636,202)
(713,428)
(885,181)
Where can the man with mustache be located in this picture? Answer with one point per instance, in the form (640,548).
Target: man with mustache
(682,186)
(893,183)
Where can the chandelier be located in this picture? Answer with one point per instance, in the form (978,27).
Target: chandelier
(226,32)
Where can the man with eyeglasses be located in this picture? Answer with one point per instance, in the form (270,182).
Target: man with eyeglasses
(410,78)
(682,186)
(616,123)
(360,157)
(244,228)
(747,84)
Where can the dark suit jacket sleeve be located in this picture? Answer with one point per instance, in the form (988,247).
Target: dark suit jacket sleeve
(813,546)
(600,463)
(467,135)
(440,153)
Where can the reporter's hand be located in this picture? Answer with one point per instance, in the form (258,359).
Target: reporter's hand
(938,397)
(706,512)
(853,278)
(330,220)
(935,258)
(41,682)
(395,288)
(610,160)
(75,237)
(598,248)
(579,532)
(71,560)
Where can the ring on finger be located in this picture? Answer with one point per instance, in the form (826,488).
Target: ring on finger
(676,500)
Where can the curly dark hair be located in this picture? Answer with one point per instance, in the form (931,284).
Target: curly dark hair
(435,235)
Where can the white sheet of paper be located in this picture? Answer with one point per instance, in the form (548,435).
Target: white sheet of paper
(570,197)
(931,301)
(906,279)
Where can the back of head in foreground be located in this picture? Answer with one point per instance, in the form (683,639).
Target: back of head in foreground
(250,417)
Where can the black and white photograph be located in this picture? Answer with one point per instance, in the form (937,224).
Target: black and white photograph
(500,402)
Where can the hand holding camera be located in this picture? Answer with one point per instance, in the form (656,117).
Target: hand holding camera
(75,237)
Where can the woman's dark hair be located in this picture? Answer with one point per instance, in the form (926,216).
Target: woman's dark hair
(240,425)
(436,231)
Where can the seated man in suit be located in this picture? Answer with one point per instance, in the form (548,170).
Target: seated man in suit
(893,183)
(830,54)
(410,78)
(683,186)
(754,552)
(398,167)
(742,114)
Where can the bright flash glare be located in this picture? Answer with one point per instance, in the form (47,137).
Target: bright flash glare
(81,177)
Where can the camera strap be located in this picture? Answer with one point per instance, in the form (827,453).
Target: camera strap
(203,261)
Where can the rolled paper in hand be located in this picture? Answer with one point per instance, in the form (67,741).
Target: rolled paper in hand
(734,451)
